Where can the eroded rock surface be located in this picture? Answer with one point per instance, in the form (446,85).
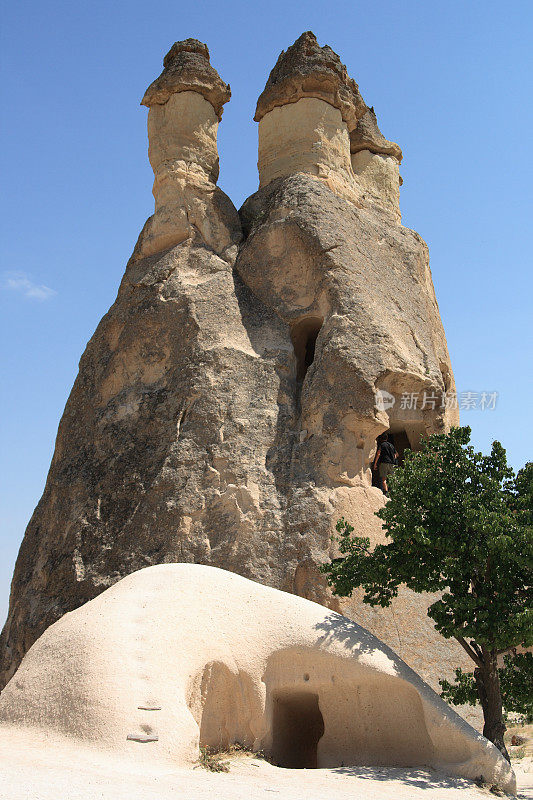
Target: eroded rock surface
(307,70)
(367,136)
(187,68)
(179,656)
(225,408)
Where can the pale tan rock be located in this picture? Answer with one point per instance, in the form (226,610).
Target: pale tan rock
(185,105)
(367,136)
(187,68)
(297,132)
(379,177)
(225,411)
(307,70)
(179,656)
(184,156)
(310,137)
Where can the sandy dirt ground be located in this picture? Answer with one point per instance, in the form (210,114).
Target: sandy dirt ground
(46,770)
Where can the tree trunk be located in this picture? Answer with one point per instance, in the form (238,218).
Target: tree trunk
(488,689)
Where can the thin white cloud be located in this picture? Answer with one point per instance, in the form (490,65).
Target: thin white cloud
(19,282)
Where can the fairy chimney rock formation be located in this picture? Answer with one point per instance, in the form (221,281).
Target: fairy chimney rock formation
(376,162)
(312,119)
(305,113)
(185,106)
(227,406)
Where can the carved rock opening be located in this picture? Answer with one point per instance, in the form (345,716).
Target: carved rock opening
(406,437)
(297,727)
(304,334)
(402,439)
(321,715)
(401,442)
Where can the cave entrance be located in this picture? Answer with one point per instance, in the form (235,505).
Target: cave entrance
(297,726)
(402,440)
(304,334)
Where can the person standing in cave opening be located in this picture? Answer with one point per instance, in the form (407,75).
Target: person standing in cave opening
(385,460)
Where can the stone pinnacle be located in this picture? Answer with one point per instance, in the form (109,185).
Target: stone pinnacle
(307,70)
(186,68)
(367,136)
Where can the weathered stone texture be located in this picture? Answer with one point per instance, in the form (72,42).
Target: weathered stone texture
(186,68)
(367,136)
(174,639)
(224,412)
(307,70)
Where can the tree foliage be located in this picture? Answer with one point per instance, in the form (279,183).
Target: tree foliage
(516,682)
(460,524)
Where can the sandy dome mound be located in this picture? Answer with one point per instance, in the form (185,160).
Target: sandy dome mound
(178,655)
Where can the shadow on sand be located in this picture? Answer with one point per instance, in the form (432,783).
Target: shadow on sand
(407,776)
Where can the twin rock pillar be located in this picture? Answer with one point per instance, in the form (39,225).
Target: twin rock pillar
(225,409)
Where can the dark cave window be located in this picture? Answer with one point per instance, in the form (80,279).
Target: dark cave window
(304,335)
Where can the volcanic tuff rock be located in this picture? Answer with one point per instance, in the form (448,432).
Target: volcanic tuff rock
(367,136)
(167,658)
(225,411)
(186,67)
(308,70)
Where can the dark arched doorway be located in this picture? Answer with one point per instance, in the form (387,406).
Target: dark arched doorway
(297,726)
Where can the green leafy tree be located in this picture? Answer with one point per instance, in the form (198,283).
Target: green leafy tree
(516,685)
(458,523)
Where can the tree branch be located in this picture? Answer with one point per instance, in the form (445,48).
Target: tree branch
(477,649)
(473,655)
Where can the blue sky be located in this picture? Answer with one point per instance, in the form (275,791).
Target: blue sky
(451,83)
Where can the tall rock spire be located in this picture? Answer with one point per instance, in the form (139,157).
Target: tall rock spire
(149,400)
(185,106)
(313,119)
(225,409)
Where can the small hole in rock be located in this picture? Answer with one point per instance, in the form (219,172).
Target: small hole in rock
(304,334)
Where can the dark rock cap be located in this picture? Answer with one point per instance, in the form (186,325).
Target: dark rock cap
(187,69)
(308,70)
(367,136)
